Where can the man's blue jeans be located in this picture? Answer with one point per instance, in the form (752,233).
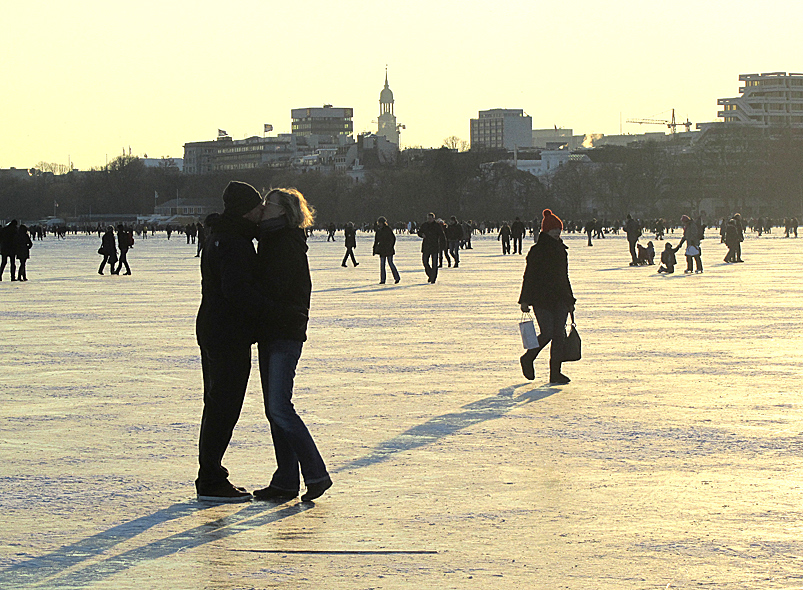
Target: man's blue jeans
(430,261)
(454,250)
(292,442)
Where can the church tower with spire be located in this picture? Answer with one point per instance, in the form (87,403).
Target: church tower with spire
(387,119)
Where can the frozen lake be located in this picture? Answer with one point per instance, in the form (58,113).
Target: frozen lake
(672,460)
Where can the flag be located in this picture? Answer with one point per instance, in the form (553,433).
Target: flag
(268,127)
(221,133)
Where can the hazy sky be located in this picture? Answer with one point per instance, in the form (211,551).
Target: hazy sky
(85,79)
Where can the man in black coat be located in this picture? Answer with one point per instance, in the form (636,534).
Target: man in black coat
(8,236)
(433,235)
(517,231)
(232,310)
(633,232)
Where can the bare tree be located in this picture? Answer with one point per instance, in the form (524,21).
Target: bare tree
(455,143)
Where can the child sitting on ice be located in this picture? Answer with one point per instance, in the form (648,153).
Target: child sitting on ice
(668,259)
(644,255)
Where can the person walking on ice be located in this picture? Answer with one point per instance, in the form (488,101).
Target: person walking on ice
(546,288)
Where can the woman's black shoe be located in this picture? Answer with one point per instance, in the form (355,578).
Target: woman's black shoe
(316,490)
(274,494)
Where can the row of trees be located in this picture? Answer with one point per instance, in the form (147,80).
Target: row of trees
(736,170)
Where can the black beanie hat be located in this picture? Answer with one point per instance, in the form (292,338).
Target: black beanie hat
(239,198)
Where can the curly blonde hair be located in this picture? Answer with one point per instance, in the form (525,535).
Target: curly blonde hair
(298,211)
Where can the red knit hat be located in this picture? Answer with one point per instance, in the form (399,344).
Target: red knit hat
(551,221)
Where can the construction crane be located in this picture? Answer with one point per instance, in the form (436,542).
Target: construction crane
(671,124)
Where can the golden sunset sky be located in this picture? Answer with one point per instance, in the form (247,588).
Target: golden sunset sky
(84,80)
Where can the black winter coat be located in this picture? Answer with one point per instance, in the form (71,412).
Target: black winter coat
(384,241)
(351,237)
(232,308)
(8,235)
(433,235)
(454,231)
(284,278)
(108,246)
(546,276)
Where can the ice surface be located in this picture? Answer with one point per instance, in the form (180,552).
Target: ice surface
(672,460)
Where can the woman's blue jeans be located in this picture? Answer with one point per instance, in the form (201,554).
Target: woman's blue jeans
(292,442)
(382,274)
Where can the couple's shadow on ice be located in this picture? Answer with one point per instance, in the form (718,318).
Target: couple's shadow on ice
(63,565)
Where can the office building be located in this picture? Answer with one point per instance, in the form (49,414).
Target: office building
(322,121)
(502,128)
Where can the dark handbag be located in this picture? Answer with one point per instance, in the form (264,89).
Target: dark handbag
(100,251)
(571,348)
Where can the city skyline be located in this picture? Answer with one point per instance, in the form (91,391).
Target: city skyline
(91,80)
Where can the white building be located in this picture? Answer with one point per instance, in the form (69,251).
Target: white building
(502,128)
(774,99)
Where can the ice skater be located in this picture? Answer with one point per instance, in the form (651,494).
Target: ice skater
(547,289)
(691,237)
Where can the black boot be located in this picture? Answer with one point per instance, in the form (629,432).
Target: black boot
(526,360)
(555,376)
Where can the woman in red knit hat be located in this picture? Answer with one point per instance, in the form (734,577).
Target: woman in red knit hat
(547,289)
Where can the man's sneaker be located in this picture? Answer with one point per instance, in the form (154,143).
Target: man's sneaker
(223,493)
(316,490)
(271,494)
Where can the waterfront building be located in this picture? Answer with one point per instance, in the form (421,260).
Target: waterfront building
(773,99)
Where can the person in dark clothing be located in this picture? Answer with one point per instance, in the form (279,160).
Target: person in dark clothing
(740,235)
(668,259)
(351,242)
(691,235)
(285,278)
(385,248)
(432,233)
(731,240)
(231,312)
(8,236)
(546,288)
(454,234)
(633,232)
(504,236)
(589,228)
(517,231)
(22,250)
(199,229)
(125,240)
(108,250)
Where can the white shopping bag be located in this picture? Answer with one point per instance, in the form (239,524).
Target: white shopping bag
(529,338)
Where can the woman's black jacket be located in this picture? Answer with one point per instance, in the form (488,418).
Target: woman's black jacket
(384,241)
(546,276)
(285,279)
